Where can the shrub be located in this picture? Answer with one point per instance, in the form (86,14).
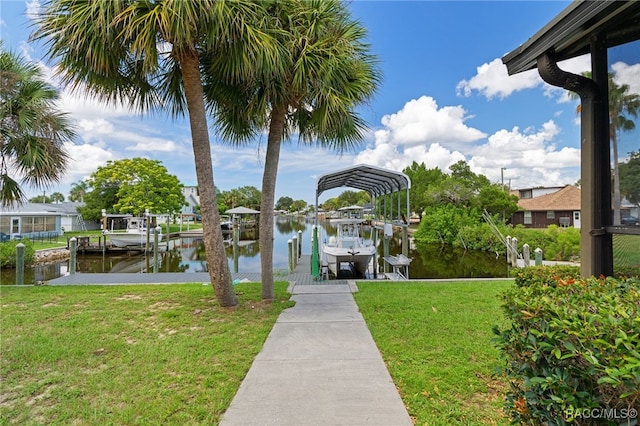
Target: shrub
(443,224)
(8,253)
(564,243)
(571,346)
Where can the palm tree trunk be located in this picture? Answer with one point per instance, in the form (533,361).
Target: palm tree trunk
(213,241)
(276,131)
(616,179)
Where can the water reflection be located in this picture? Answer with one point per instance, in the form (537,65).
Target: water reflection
(243,254)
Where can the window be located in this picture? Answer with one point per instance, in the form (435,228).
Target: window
(551,214)
(5,224)
(526,193)
(37,224)
(527,218)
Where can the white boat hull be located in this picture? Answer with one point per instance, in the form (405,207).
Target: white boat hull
(132,240)
(343,262)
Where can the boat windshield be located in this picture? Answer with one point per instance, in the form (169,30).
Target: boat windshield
(349,230)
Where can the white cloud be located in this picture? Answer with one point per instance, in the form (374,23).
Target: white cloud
(33,9)
(492,80)
(420,121)
(530,157)
(627,74)
(85,159)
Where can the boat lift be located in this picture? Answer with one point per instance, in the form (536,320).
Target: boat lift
(381,184)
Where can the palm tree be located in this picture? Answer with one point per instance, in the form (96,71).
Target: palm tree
(57,197)
(78,191)
(33,131)
(621,103)
(326,71)
(147,54)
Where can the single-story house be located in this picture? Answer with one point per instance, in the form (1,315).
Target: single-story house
(560,207)
(38,220)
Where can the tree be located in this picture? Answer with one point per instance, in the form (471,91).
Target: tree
(57,197)
(630,178)
(496,201)
(78,191)
(33,131)
(622,104)
(325,70)
(423,183)
(40,199)
(132,186)
(148,55)
(247,196)
(298,205)
(284,203)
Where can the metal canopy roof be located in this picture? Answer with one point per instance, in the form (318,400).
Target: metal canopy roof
(571,33)
(375,180)
(242,210)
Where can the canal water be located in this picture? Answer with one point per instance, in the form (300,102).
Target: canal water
(187,255)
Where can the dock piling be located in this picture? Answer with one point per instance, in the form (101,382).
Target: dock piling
(19,264)
(73,252)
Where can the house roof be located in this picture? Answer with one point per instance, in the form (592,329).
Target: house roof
(68,208)
(568,198)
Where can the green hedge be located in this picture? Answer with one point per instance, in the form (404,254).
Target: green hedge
(464,227)
(8,253)
(571,349)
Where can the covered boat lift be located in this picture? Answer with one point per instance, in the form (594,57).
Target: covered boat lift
(376,181)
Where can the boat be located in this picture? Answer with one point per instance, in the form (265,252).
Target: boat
(348,254)
(226,224)
(135,235)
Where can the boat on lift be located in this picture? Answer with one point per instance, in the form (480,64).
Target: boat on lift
(348,254)
(135,234)
(226,223)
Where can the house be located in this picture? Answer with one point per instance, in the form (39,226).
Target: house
(536,192)
(560,207)
(38,220)
(192,197)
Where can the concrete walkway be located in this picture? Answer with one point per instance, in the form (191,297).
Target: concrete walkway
(319,366)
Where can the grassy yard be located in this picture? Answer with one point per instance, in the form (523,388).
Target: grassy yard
(435,340)
(127,354)
(168,355)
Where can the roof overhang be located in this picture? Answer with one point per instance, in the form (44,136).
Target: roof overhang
(375,180)
(571,33)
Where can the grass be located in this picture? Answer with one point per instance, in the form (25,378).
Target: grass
(435,340)
(168,355)
(127,354)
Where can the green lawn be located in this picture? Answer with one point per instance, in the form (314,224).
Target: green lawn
(435,340)
(127,354)
(168,355)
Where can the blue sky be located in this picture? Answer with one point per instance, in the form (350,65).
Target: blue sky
(445,96)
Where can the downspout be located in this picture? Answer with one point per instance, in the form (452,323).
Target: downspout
(595,175)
